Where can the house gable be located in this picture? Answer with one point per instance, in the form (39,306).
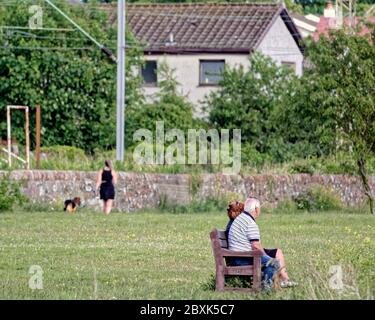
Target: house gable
(279,44)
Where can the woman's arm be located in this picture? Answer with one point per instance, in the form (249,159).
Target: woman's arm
(99,180)
(114,173)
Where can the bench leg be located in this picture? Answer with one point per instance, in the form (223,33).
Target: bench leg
(220,280)
(257,276)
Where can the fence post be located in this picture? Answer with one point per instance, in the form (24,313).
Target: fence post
(9,138)
(38,136)
(27,139)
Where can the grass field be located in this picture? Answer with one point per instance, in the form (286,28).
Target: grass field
(168,256)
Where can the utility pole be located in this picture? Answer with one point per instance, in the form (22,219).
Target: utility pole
(121,21)
(120,121)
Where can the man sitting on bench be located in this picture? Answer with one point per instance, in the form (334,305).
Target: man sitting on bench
(244,235)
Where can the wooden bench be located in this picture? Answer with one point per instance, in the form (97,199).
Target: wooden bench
(221,253)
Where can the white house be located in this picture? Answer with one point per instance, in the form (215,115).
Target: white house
(198,39)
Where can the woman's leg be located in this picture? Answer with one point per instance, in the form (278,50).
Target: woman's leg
(104,206)
(109,206)
(280,257)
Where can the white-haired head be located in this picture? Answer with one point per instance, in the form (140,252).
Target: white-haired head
(251,204)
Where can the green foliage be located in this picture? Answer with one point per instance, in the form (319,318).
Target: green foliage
(247,99)
(343,67)
(303,127)
(318,198)
(64,152)
(287,206)
(302,167)
(312,6)
(10,194)
(67,158)
(195,206)
(339,163)
(232,281)
(343,71)
(251,157)
(72,158)
(65,73)
(40,207)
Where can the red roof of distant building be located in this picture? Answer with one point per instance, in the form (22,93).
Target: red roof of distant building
(326,24)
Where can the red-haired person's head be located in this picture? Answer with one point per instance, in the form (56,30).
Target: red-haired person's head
(234,209)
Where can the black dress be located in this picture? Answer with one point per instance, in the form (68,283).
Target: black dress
(107,189)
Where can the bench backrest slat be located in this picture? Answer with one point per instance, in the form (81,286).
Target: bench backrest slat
(223,243)
(221,234)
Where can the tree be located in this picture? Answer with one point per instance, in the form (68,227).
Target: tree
(303,127)
(65,73)
(312,6)
(248,97)
(343,68)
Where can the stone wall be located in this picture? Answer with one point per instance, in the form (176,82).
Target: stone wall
(144,190)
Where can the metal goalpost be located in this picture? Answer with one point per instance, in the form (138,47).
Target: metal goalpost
(9,137)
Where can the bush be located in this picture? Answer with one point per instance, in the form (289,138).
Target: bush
(10,194)
(251,157)
(66,158)
(319,198)
(64,152)
(286,206)
(303,166)
(196,206)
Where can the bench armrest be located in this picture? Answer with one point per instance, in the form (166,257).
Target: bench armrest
(249,254)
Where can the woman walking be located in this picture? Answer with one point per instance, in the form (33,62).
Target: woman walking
(106,181)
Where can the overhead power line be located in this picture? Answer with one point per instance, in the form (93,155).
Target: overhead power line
(104,49)
(39,28)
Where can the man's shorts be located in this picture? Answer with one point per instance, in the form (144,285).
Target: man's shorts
(268,262)
(271,252)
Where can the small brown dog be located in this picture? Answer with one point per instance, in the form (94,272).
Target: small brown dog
(71,205)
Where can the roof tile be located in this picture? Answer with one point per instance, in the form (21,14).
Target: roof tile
(201,26)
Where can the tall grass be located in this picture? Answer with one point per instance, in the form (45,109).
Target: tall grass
(71,158)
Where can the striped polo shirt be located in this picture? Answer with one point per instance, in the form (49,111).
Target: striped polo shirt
(242,231)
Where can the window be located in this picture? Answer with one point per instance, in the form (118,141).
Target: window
(149,73)
(290,64)
(211,72)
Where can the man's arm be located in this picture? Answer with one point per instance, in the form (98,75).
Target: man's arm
(253,235)
(256,245)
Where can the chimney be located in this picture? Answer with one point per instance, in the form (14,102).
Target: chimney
(171,41)
(329,11)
